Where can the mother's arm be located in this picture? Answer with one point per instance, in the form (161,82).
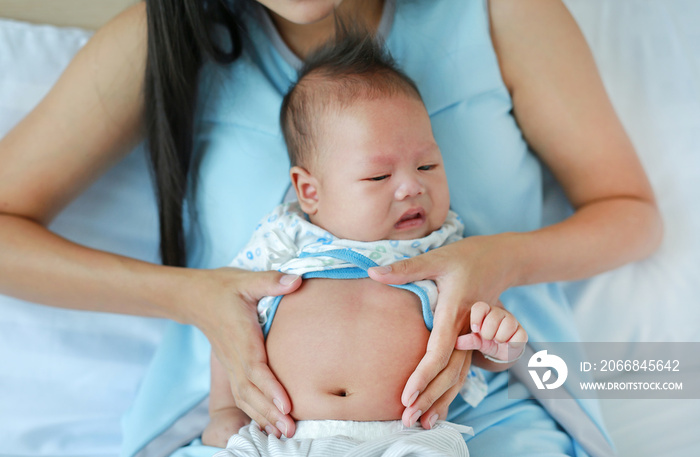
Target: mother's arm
(89,120)
(565,115)
(564,112)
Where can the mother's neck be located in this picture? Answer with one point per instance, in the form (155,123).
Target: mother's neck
(304,38)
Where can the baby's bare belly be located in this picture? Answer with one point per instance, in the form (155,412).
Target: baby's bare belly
(344,349)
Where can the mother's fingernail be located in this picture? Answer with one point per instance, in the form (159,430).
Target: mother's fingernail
(414,417)
(282,428)
(432,420)
(411,399)
(269,430)
(279,406)
(382,270)
(288,279)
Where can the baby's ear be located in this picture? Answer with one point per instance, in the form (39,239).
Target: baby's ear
(306,187)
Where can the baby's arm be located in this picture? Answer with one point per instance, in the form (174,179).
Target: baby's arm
(225,419)
(497,336)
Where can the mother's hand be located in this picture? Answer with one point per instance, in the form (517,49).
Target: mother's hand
(225,310)
(470,270)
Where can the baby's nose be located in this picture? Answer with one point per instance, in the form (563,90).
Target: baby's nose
(409,187)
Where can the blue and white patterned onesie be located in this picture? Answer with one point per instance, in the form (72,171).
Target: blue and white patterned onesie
(286,241)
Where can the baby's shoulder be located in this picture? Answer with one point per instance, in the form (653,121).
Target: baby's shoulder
(281,216)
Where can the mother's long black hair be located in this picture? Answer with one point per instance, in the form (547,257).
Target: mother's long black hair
(181,36)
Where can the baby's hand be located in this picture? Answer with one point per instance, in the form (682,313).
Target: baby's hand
(496,333)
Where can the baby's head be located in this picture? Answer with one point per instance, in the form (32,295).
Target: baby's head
(365,165)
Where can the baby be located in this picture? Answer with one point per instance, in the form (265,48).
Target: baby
(371,189)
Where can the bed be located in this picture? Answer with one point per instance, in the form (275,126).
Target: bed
(67,377)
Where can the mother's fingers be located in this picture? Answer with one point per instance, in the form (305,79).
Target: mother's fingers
(449,319)
(258,392)
(240,347)
(469,342)
(256,285)
(436,358)
(441,406)
(256,389)
(258,406)
(414,269)
(437,396)
(258,373)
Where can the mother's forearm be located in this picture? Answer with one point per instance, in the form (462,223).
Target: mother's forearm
(39,266)
(599,236)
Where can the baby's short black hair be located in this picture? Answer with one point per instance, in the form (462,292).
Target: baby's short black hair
(352,66)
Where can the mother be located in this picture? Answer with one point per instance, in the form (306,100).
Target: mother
(497,77)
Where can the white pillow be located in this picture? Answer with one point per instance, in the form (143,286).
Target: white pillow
(68,376)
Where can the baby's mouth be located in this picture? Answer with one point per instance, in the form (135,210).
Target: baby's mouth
(410,219)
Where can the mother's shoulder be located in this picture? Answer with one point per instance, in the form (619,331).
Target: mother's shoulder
(526,35)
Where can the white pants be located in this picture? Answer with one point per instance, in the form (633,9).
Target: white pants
(347,438)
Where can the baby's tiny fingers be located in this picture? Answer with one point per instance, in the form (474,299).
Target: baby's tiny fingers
(477,313)
(492,323)
(490,348)
(507,329)
(519,337)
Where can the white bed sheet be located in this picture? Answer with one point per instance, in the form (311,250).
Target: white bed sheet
(66,377)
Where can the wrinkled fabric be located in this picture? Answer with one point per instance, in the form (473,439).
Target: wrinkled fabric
(351,439)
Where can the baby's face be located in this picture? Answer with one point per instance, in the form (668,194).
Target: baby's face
(380,173)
